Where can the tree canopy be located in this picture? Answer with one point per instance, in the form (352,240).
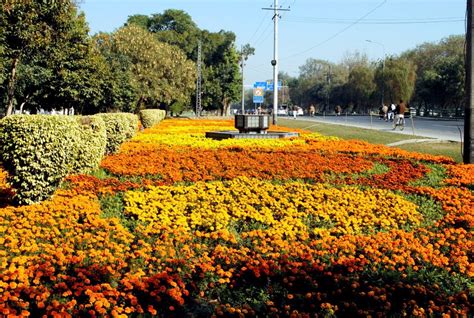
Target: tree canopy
(220,59)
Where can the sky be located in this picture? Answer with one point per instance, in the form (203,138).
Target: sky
(319,29)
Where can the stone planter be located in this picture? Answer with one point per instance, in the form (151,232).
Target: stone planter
(248,124)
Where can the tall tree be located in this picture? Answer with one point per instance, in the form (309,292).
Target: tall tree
(220,69)
(78,70)
(398,78)
(174,27)
(221,76)
(433,76)
(29,27)
(161,73)
(317,80)
(119,93)
(361,86)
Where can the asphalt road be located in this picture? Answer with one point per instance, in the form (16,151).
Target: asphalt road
(431,128)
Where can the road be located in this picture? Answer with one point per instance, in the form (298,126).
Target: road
(431,128)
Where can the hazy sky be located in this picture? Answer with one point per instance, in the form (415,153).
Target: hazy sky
(322,29)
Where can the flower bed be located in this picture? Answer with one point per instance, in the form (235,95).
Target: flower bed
(280,228)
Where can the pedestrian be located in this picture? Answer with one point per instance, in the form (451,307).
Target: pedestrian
(338,110)
(381,112)
(400,115)
(385,110)
(295,111)
(391,112)
(312,110)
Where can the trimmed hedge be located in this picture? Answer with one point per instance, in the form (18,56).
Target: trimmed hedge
(39,150)
(120,127)
(151,117)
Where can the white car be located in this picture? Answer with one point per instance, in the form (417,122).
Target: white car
(299,112)
(282,112)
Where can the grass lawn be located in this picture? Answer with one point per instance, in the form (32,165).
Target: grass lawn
(450,149)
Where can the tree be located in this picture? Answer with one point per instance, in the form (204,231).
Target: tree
(398,78)
(245,52)
(119,93)
(317,81)
(220,69)
(78,70)
(174,27)
(361,86)
(434,62)
(51,61)
(221,76)
(30,27)
(161,75)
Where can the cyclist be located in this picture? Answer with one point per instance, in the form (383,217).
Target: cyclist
(400,115)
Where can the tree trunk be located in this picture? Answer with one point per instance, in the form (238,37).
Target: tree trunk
(139,104)
(24,103)
(225,107)
(11,86)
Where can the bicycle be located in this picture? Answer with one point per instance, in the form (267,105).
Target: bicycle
(399,121)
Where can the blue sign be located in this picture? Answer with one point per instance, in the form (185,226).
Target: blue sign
(270,85)
(258,93)
(260,85)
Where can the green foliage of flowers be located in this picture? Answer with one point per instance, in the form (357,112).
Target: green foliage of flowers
(434,178)
(432,211)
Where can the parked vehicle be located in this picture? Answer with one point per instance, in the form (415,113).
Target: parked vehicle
(282,111)
(299,112)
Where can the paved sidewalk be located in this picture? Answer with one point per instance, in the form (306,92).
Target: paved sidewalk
(415,141)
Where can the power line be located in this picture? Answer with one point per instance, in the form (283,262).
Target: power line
(373,21)
(339,32)
(264,35)
(259,26)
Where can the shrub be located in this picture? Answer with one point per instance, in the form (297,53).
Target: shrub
(38,151)
(151,117)
(120,127)
(89,149)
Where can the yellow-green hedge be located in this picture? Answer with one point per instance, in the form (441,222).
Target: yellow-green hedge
(151,117)
(120,127)
(39,150)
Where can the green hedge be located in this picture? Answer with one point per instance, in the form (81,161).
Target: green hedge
(151,117)
(39,150)
(120,127)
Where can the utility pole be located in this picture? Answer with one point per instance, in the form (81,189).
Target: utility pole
(245,51)
(274,62)
(328,80)
(468,153)
(199,81)
(242,60)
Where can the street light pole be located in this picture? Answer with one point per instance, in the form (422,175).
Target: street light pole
(383,68)
(274,63)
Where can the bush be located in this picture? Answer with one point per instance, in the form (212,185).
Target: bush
(120,127)
(151,117)
(89,149)
(38,151)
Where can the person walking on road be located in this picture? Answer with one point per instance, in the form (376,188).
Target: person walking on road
(391,112)
(385,111)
